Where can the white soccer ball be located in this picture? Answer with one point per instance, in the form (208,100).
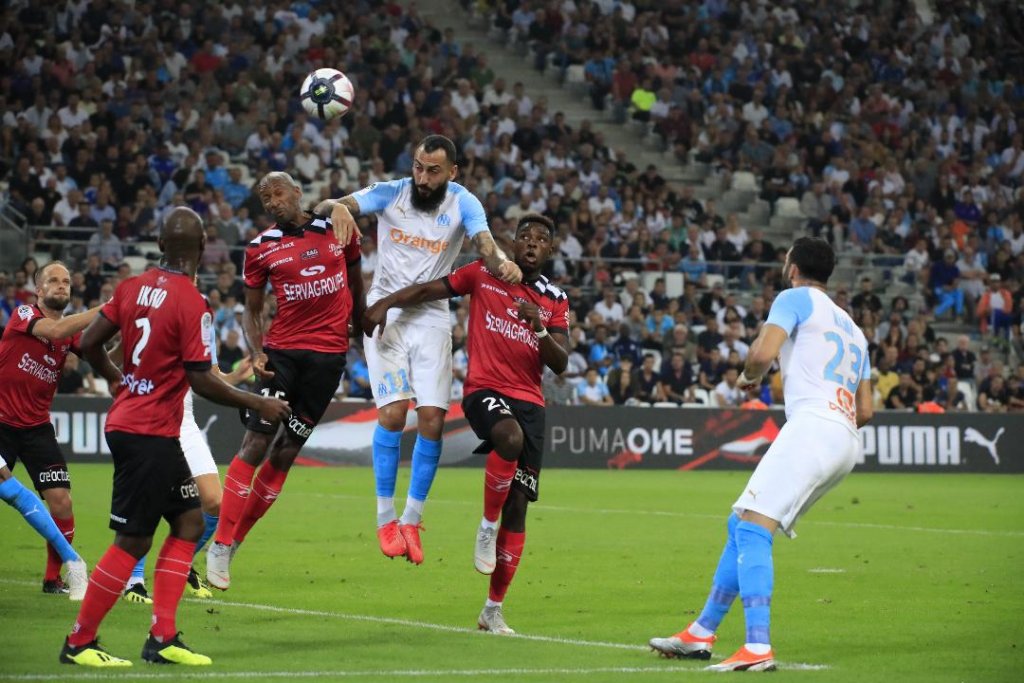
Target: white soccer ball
(327,93)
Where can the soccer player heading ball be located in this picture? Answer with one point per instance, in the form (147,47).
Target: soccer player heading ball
(421,224)
(826,380)
(515,330)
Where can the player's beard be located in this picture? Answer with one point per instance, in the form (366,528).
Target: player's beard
(55,303)
(430,201)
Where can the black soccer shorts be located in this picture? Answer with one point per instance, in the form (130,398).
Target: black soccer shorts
(37,448)
(151,480)
(486,408)
(307,380)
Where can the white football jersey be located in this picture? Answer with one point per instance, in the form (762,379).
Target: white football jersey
(825,357)
(417,247)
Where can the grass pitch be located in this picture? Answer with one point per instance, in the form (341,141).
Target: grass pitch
(894,577)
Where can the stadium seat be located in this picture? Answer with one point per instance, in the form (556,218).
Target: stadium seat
(745,181)
(788,207)
(715,279)
(702,396)
(665,404)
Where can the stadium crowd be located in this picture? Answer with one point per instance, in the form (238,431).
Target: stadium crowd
(898,139)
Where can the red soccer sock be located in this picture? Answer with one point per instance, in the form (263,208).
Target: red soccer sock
(498,475)
(265,490)
(106,584)
(53,561)
(169,577)
(237,485)
(510,549)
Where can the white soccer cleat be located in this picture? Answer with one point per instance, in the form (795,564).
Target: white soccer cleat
(485,555)
(683,645)
(492,621)
(77,579)
(218,565)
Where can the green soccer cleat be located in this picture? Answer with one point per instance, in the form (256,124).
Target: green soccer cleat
(137,594)
(172,652)
(90,654)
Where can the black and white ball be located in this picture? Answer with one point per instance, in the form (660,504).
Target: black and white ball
(327,94)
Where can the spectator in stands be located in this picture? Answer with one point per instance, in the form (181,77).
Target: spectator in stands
(904,395)
(609,307)
(593,391)
(964,359)
(625,346)
(993,395)
(866,298)
(916,263)
(944,284)
(621,382)
(995,309)
(677,380)
(863,231)
(648,382)
(106,246)
(727,393)
(216,252)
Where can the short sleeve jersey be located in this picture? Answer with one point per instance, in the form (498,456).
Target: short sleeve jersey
(31,368)
(504,352)
(308,271)
(417,246)
(825,357)
(166,329)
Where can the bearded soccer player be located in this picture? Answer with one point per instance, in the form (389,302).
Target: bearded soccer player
(318,287)
(33,350)
(515,330)
(166,330)
(828,396)
(421,222)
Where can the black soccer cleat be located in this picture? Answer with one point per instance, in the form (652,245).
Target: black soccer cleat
(56,587)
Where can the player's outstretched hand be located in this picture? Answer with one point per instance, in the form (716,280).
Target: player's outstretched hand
(344,224)
(745,383)
(274,409)
(530,313)
(259,366)
(375,316)
(509,272)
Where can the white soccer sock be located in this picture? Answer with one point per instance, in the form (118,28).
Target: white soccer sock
(488,524)
(385,510)
(135,581)
(491,603)
(699,631)
(758,648)
(413,511)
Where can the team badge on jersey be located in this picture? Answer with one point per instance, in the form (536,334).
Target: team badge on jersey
(25,312)
(310,254)
(443,220)
(206,325)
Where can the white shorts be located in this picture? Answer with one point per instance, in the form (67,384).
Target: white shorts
(193,443)
(410,361)
(809,457)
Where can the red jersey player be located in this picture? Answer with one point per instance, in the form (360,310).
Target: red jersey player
(318,286)
(166,329)
(33,350)
(515,330)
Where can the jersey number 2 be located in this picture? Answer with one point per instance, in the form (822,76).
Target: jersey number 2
(142,324)
(832,373)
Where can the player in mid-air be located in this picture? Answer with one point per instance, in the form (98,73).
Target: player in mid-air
(34,347)
(166,331)
(420,228)
(318,286)
(827,389)
(515,330)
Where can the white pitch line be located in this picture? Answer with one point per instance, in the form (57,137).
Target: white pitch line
(826,570)
(541,507)
(445,628)
(395,673)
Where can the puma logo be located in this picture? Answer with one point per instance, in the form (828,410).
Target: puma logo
(972,435)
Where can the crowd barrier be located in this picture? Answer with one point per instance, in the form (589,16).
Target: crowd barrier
(613,437)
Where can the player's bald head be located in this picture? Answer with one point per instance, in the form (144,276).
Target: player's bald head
(275,177)
(182,235)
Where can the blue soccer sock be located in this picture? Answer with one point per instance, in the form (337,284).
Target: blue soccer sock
(210,522)
(386,454)
(138,573)
(725,585)
(756,579)
(425,456)
(14,493)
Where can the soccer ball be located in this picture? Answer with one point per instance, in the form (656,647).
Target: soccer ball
(326,94)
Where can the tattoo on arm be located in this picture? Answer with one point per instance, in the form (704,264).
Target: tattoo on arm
(325,207)
(489,250)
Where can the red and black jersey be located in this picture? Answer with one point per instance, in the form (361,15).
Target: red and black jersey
(504,352)
(30,368)
(166,328)
(308,270)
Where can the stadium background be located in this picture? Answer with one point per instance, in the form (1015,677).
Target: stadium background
(872,124)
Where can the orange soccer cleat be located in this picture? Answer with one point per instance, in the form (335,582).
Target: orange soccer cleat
(392,543)
(411,537)
(745,660)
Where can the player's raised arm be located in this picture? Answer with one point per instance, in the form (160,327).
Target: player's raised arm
(343,214)
(377,314)
(495,259)
(67,326)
